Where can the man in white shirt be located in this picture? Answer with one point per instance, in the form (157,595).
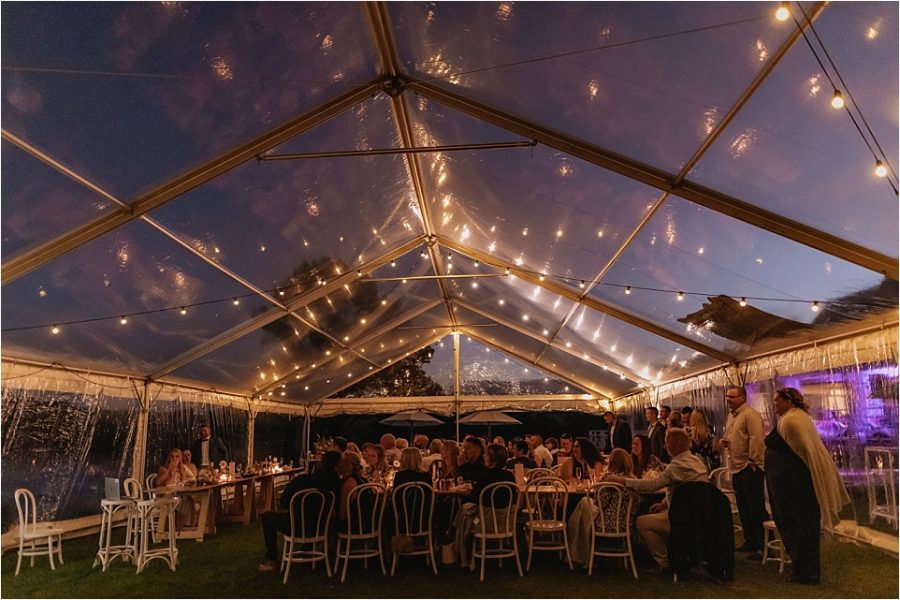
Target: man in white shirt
(654,527)
(744,440)
(539,451)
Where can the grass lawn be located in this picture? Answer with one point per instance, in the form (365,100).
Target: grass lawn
(224,566)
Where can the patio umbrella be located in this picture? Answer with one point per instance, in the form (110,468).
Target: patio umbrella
(489,418)
(411,419)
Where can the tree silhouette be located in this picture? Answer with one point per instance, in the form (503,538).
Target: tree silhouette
(404,378)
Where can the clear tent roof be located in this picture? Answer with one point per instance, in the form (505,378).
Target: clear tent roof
(614,181)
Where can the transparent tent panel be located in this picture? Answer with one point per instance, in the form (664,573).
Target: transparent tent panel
(39,203)
(130,270)
(516,344)
(627,349)
(510,299)
(130,94)
(613,74)
(592,377)
(716,260)
(440,367)
(288,223)
(260,357)
(488,371)
(360,307)
(809,163)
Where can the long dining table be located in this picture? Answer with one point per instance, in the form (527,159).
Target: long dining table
(234,500)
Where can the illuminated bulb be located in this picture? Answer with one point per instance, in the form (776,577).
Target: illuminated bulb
(743,302)
(837,101)
(449,256)
(581,284)
(393,263)
(627,290)
(880,169)
(123,320)
(783,12)
(358,273)
(183,311)
(363,321)
(502,301)
(559,233)
(680,296)
(508,270)
(281,292)
(815,306)
(474,284)
(403,281)
(306,387)
(476,263)
(383,302)
(568,344)
(546,332)
(346,338)
(541,277)
(328,353)
(235,301)
(525,231)
(54,330)
(524,317)
(422,254)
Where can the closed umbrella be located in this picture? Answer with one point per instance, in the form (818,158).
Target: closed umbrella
(489,418)
(411,419)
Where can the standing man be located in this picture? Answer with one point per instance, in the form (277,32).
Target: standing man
(744,441)
(208,450)
(619,433)
(656,431)
(665,412)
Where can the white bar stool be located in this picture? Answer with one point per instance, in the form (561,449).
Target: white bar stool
(775,546)
(161,510)
(107,551)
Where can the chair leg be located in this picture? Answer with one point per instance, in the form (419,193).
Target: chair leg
(59,549)
(50,552)
(346,561)
(631,557)
(394,563)
(516,554)
(19,562)
(565,537)
(483,555)
(431,553)
(381,554)
(325,551)
(530,548)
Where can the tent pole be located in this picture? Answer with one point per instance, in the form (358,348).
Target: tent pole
(456,379)
(140,439)
(251,431)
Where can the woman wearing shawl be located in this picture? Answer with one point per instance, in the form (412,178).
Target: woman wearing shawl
(805,489)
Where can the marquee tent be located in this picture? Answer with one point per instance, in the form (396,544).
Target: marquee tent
(271,202)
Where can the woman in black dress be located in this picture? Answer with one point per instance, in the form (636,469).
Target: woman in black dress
(805,489)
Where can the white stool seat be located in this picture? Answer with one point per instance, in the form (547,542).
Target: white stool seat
(161,510)
(107,551)
(774,545)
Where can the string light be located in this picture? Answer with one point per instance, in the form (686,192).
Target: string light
(627,290)
(476,264)
(235,301)
(680,296)
(508,270)
(837,101)
(880,169)
(55,330)
(358,273)
(743,302)
(815,306)
(783,12)
(123,320)
(183,311)
(393,263)
(581,284)
(541,277)
(422,254)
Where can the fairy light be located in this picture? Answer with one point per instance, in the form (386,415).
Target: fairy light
(783,12)
(123,320)
(508,271)
(55,330)
(743,302)
(541,277)
(183,311)
(476,264)
(880,169)
(680,296)
(837,101)
(422,254)
(393,263)
(815,306)
(235,301)
(627,290)
(581,284)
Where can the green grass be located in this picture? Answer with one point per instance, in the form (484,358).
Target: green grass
(224,566)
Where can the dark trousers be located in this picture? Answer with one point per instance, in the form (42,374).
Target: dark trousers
(800,529)
(750,495)
(272,523)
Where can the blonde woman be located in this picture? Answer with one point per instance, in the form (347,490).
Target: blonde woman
(703,441)
(411,468)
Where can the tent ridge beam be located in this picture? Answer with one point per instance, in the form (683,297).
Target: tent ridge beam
(666,182)
(81,235)
(276,313)
(590,302)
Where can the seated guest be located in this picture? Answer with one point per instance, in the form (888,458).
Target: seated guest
(449,465)
(539,451)
(645,464)
(389,445)
(495,472)
(565,447)
(175,474)
(552,445)
(654,527)
(339,443)
(520,456)
(585,461)
(377,468)
(402,444)
(581,520)
(432,454)
(471,466)
(350,471)
(186,459)
(325,479)
(420,442)
(411,468)
(498,439)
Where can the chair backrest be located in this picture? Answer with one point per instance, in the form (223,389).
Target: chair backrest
(151,483)
(540,473)
(365,508)
(547,499)
(721,478)
(133,489)
(27,508)
(498,504)
(615,509)
(413,508)
(311,513)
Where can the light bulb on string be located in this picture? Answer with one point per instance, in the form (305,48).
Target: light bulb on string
(837,101)
(541,277)
(508,271)
(476,264)
(235,301)
(393,263)
(743,302)
(358,273)
(680,296)
(581,284)
(783,12)
(880,169)
(627,290)
(422,254)
(55,330)
(815,306)
(123,320)
(183,311)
